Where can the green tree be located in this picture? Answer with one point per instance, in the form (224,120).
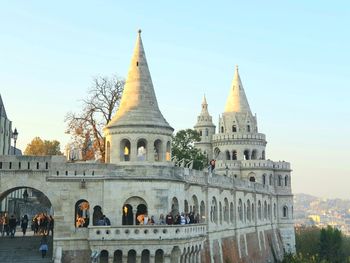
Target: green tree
(97,110)
(307,240)
(331,245)
(42,147)
(183,148)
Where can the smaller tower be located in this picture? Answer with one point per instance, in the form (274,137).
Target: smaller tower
(206,130)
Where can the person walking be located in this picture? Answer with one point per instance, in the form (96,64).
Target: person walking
(12,225)
(43,246)
(24,224)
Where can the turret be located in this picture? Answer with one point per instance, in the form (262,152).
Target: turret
(138,132)
(206,130)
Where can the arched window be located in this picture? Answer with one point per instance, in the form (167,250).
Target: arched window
(234,128)
(220,212)
(263,155)
(285,211)
(214,211)
(142,150)
(141,212)
(253,212)
(222,129)
(131,256)
(252,179)
(200,132)
(228,157)
(254,154)
(216,153)
(279,180)
(269,211)
(286,180)
(108,152)
(226,210)
(118,256)
(125,150)
(245,213)
(194,205)
(259,210)
(270,179)
(159,257)
(158,150)
(246,154)
(206,132)
(145,256)
(240,210)
(274,211)
(231,212)
(248,128)
(168,152)
(248,211)
(234,155)
(265,210)
(97,215)
(82,215)
(104,256)
(264,179)
(202,212)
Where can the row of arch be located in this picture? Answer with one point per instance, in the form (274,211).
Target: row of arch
(145,151)
(281,181)
(235,155)
(188,254)
(234,128)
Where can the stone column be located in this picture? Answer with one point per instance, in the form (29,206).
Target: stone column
(167,259)
(152,258)
(134,211)
(110,258)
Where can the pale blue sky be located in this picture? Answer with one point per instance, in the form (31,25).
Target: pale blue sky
(293,59)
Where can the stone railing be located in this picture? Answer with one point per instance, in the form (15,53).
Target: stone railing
(152,232)
(239,136)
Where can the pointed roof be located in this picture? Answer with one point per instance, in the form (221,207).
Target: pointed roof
(2,108)
(138,104)
(237,100)
(204,107)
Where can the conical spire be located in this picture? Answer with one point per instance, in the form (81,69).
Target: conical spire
(138,105)
(204,107)
(237,100)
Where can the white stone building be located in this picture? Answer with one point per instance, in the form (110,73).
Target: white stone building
(244,208)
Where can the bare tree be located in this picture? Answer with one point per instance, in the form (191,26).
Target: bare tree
(98,108)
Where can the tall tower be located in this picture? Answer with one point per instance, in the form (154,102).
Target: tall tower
(206,130)
(138,132)
(238,137)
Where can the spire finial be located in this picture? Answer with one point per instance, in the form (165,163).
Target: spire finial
(236,67)
(139,31)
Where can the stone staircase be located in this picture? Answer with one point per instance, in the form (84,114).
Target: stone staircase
(23,250)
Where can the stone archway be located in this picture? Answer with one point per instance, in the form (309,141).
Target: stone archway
(132,208)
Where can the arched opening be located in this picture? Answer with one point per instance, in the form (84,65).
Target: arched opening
(234,128)
(82,215)
(265,210)
(104,256)
(220,213)
(202,213)
(186,206)
(264,179)
(108,152)
(96,215)
(145,256)
(248,211)
(246,154)
(142,150)
(279,180)
(248,128)
(132,256)
(228,157)
(158,150)
(118,256)
(140,214)
(200,132)
(226,211)
(231,213)
(263,155)
(252,179)
(274,211)
(270,179)
(234,155)
(244,212)
(159,257)
(128,215)
(253,212)
(125,149)
(194,205)
(222,129)
(286,180)
(175,254)
(285,211)
(216,153)
(269,211)
(174,207)
(206,132)
(254,154)
(240,210)
(259,210)
(168,152)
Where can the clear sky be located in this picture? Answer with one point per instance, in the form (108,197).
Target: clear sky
(294,60)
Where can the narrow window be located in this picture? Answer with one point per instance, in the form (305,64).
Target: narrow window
(37,165)
(222,129)
(137,63)
(19,165)
(28,165)
(0,165)
(57,173)
(234,128)
(248,128)
(10,165)
(66,172)
(47,165)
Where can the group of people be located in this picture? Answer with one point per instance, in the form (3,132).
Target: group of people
(182,219)
(43,224)
(8,225)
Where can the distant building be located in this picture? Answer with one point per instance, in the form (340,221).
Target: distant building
(5,131)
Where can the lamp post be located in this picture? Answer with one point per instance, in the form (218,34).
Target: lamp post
(15,136)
